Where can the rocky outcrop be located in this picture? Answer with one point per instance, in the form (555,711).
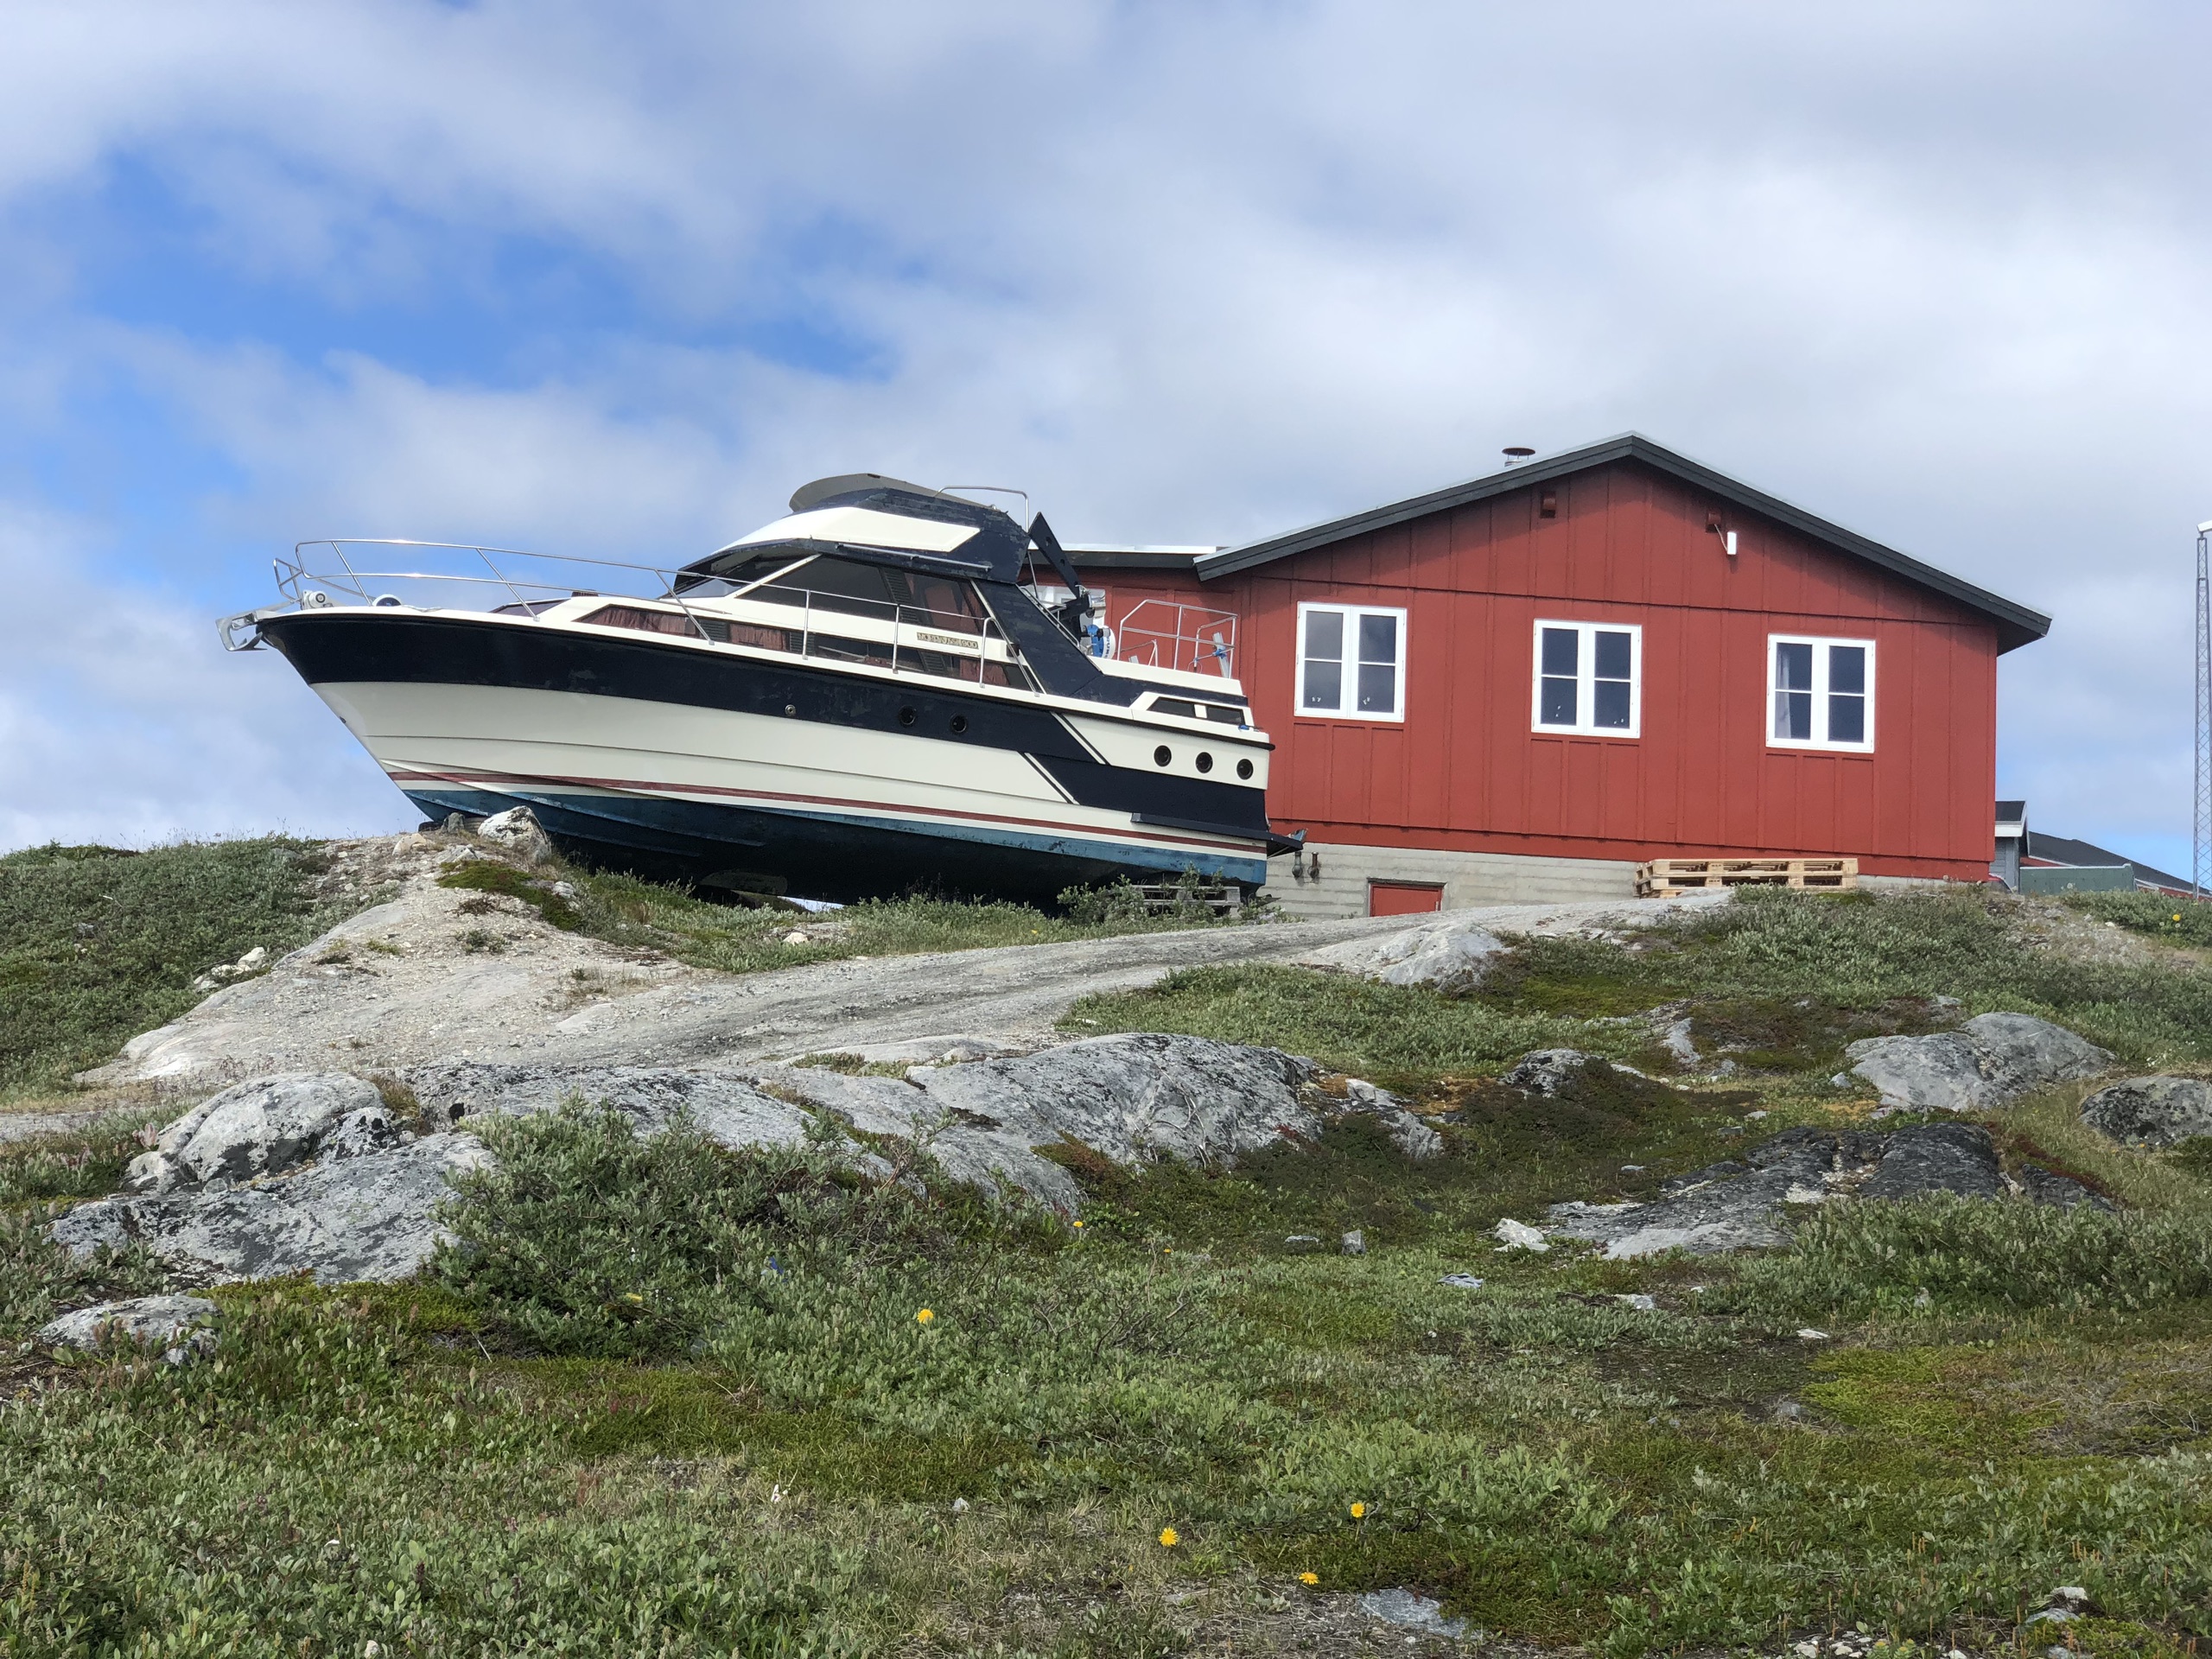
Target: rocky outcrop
(296,1174)
(1990,1062)
(1548,1071)
(356,1218)
(1746,1203)
(1016,1122)
(1447,954)
(262,1128)
(148,1319)
(727,1108)
(2153,1113)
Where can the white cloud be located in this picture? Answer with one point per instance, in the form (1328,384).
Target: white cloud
(122,723)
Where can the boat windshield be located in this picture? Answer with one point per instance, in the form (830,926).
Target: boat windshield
(844,585)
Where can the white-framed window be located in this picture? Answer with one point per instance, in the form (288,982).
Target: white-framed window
(1820,693)
(1589,679)
(1351,662)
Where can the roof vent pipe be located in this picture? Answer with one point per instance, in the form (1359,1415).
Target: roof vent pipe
(1517,453)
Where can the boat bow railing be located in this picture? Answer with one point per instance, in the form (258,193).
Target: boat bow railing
(835,627)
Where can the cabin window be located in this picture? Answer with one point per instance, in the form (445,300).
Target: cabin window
(1351,662)
(1821,694)
(1589,679)
(652,621)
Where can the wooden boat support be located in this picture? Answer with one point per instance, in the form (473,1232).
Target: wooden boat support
(1663,878)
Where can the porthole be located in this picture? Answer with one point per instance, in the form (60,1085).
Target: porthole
(906,716)
(959,724)
(1205,761)
(1244,768)
(1162,755)
(790,708)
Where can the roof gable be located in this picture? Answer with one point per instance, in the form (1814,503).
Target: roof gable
(2016,624)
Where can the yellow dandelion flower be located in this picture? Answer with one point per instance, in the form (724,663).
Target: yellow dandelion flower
(923,1317)
(1359,1511)
(1309,1578)
(1078,1226)
(631,1296)
(1169,1537)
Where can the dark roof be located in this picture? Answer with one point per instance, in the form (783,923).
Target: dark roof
(2011,811)
(2016,624)
(2082,855)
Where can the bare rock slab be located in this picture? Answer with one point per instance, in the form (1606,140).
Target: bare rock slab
(729,1110)
(149,1319)
(1749,1203)
(2153,1113)
(261,1128)
(371,1217)
(1445,955)
(1990,1062)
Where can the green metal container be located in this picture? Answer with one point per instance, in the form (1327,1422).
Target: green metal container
(2085,878)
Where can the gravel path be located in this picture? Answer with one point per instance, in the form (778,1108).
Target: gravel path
(401,985)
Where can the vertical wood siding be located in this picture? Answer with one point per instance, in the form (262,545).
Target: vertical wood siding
(1629,544)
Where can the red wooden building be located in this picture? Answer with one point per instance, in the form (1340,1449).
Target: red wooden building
(1521,686)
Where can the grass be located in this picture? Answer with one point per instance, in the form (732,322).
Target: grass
(739,939)
(663,1397)
(1777,983)
(98,944)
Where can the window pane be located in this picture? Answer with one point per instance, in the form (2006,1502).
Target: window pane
(1323,683)
(1324,634)
(1559,651)
(1557,703)
(1378,640)
(1846,720)
(1793,715)
(1611,697)
(1378,689)
(1793,670)
(1613,657)
(1847,669)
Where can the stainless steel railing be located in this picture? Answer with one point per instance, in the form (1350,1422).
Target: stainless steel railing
(913,638)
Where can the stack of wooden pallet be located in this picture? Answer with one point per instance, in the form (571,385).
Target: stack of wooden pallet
(1223,897)
(1663,878)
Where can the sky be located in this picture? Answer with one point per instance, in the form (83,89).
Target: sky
(614,279)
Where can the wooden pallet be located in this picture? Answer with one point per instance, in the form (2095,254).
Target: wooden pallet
(1664,878)
(1224,898)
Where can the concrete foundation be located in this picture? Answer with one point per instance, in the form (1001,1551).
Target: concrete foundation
(1468,879)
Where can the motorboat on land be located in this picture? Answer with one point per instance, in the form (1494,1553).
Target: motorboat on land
(871,696)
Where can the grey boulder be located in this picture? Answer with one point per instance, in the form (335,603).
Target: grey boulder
(730,1111)
(1134,1099)
(2151,1112)
(1747,1203)
(1546,1070)
(1445,955)
(258,1128)
(368,1217)
(1991,1061)
(517,830)
(149,1319)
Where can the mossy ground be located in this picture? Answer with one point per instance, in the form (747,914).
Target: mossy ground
(698,1420)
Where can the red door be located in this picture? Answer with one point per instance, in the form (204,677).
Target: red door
(1403,898)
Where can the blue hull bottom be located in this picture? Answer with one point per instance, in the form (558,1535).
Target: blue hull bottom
(823,855)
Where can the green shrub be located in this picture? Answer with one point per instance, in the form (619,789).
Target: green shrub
(97,945)
(1971,1256)
(2185,921)
(588,1239)
(39,1279)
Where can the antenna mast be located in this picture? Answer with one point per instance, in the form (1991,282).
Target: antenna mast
(2201,822)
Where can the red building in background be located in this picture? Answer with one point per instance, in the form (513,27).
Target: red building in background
(1520,687)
